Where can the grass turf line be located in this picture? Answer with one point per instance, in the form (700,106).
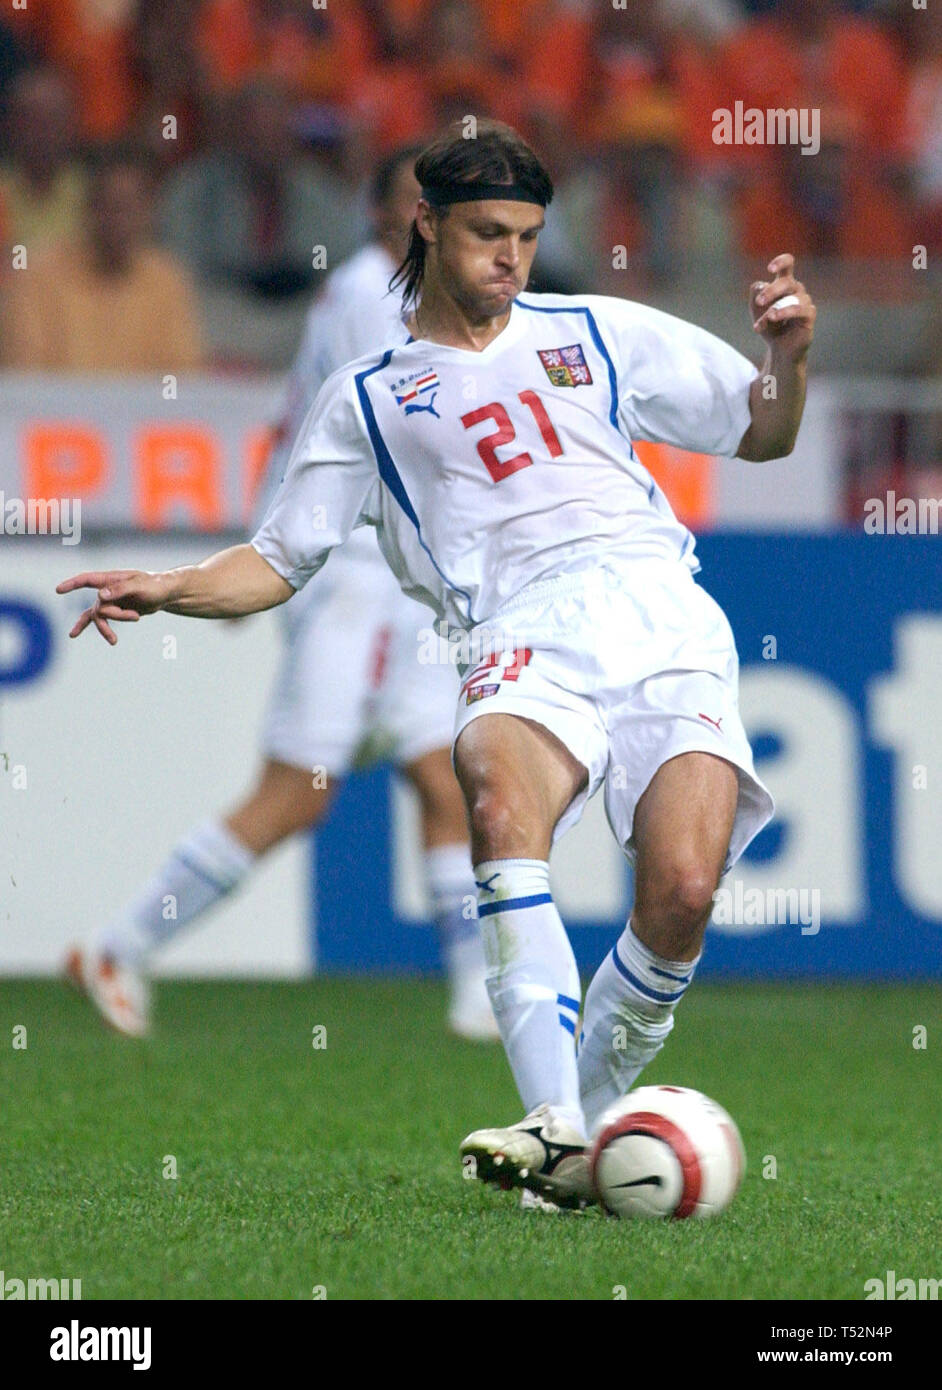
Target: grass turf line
(337,1167)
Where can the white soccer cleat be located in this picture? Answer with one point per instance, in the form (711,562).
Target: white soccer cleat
(540,1153)
(470,1015)
(120,995)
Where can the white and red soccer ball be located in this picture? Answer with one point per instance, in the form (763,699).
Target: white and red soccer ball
(666,1151)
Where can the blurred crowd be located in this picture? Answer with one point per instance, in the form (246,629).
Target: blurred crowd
(169,168)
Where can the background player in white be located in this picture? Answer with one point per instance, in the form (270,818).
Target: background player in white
(514,503)
(350,677)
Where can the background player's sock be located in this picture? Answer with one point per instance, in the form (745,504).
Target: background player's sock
(203,868)
(451,889)
(533,982)
(629,1008)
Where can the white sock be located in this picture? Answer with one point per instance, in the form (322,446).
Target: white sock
(533,982)
(629,1008)
(450,882)
(209,863)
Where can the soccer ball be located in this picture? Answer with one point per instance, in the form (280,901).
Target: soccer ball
(666,1151)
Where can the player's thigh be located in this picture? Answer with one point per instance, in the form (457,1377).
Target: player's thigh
(682,827)
(518,778)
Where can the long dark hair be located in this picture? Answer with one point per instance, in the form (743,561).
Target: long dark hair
(495,154)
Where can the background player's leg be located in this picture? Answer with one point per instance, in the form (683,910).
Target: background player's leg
(681,832)
(441,805)
(207,865)
(518,779)
(450,884)
(283,802)
(212,860)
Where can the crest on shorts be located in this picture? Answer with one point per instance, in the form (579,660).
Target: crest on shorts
(480,692)
(566,366)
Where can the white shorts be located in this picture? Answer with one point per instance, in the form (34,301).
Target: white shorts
(628,667)
(351,688)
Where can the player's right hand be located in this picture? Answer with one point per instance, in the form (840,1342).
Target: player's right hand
(123,596)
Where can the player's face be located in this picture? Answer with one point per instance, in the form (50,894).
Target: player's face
(483,253)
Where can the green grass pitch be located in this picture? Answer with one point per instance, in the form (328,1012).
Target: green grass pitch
(335,1168)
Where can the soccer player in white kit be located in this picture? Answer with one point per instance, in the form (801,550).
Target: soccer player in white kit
(493,453)
(325,714)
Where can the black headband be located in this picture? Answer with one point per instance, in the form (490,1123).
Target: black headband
(443,194)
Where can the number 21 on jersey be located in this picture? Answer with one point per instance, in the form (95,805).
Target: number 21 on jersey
(505,433)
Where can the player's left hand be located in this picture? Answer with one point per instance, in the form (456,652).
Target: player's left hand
(787,325)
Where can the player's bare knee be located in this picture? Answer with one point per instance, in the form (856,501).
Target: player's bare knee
(670,915)
(690,893)
(498,824)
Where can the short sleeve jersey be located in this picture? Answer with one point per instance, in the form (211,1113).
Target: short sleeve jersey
(487,471)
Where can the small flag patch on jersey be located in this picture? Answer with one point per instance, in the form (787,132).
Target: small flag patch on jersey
(566,366)
(414,390)
(480,692)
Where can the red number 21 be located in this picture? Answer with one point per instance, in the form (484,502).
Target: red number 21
(487,447)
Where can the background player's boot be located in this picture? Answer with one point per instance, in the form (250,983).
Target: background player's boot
(540,1153)
(120,995)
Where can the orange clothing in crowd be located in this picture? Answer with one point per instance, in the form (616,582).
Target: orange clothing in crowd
(508,24)
(551,45)
(639,102)
(238,42)
(63,314)
(855,67)
(855,78)
(535,54)
(402,102)
(91,41)
(874,225)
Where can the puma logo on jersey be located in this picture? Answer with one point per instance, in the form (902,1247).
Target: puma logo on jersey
(715,722)
(412,409)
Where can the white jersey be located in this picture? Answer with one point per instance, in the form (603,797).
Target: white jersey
(354,313)
(488,471)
